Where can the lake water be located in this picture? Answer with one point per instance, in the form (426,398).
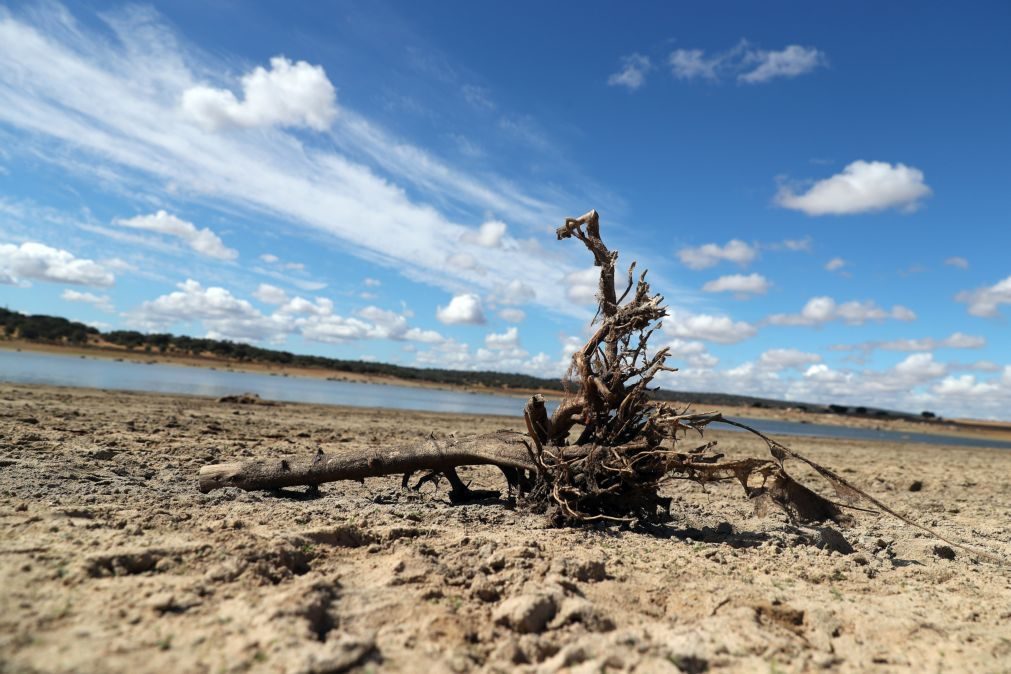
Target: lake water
(23,367)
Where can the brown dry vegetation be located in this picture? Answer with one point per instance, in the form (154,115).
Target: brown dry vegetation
(114,562)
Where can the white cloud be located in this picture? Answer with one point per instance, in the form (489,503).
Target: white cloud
(791,61)
(289,94)
(372,282)
(488,235)
(957,261)
(462,309)
(269,258)
(33,261)
(582,285)
(225,316)
(203,241)
(781,359)
(861,187)
(797,245)
(986,301)
(510,339)
(270,294)
(512,315)
(820,310)
(916,383)
(749,65)
(710,254)
(100,302)
(633,72)
(740,284)
(721,329)
(119,117)
(501,353)
(835,264)
(689,64)
(956,340)
(515,292)
(692,352)
(222,314)
(965,385)
(920,367)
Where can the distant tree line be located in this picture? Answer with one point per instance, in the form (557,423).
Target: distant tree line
(56,330)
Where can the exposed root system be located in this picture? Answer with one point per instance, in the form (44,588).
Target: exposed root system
(607,449)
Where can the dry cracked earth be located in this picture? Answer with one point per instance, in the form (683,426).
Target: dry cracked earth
(113,561)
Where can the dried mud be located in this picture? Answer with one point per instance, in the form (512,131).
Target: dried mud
(112,561)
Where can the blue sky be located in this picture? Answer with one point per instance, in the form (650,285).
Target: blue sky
(820,191)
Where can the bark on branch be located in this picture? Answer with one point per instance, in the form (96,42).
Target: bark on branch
(505,449)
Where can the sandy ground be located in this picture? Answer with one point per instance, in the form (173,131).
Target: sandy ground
(112,561)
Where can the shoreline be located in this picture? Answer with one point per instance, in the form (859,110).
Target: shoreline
(982,429)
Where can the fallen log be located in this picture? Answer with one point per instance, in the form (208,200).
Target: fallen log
(505,449)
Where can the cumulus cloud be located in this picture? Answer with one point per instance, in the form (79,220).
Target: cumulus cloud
(862,187)
(515,292)
(463,309)
(956,340)
(965,385)
(203,241)
(270,294)
(781,359)
(632,74)
(689,64)
(710,254)
(100,302)
(919,367)
(791,61)
(502,352)
(289,94)
(708,328)
(372,282)
(748,64)
(820,310)
(33,261)
(582,285)
(222,314)
(512,315)
(488,235)
(986,301)
(835,264)
(510,339)
(692,353)
(739,284)
(353,192)
(225,316)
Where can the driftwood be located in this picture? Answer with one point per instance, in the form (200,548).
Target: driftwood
(506,449)
(605,452)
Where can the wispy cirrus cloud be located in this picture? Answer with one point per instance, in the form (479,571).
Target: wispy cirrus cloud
(119,104)
(745,63)
(632,74)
